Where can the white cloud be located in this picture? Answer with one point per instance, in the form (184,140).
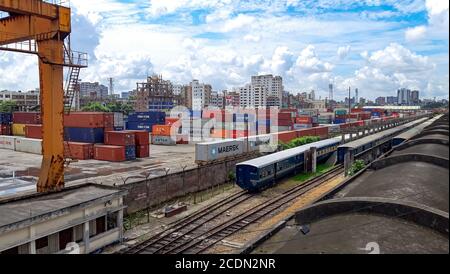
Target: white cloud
(252,38)
(342,52)
(309,62)
(416,33)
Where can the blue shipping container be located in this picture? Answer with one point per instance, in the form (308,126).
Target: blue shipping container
(5,118)
(154,117)
(141,126)
(130,153)
(339,121)
(119,128)
(84,135)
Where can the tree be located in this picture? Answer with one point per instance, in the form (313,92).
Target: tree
(95,106)
(356,166)
(299,142)
(8,106)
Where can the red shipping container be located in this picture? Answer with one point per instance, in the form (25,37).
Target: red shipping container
(284,116)
(288,123)
(141,137)
(109,153)
(33,131)
(27,118)
(239,133)
(303,120)
(161,130)
(5,130)
(143,151)
(119,138)
(87,120)
(80,151)
(108,120)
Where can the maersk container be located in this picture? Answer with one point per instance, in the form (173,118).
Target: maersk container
(262,143)
(84,135)
(5,118)
(216,150)
(29,145)
(8,142)
(163,140)
(300,126)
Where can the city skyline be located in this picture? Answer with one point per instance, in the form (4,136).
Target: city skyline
(375,46)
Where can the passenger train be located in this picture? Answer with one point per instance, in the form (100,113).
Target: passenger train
(263,172)
(260,173)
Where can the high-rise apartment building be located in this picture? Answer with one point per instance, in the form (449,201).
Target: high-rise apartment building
(93,90)
(231,99)
(273,85)
(404,96)
(415,97)
(201,95)
(391,100)
(381,101)
(253,96)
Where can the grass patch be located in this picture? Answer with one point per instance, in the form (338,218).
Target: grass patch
(322,168)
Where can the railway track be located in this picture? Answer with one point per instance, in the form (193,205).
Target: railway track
(191,235)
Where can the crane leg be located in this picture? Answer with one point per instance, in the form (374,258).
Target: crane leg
(52,107)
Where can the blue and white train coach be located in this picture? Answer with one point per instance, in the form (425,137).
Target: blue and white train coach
(260,173)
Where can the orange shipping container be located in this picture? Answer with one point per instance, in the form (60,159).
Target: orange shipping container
(303,120)
(161,130)
(171,121)
(80,151)
(33,131)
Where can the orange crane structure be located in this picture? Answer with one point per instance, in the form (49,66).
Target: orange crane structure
(43,28)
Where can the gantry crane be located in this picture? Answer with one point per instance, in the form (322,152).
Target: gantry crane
(42,27)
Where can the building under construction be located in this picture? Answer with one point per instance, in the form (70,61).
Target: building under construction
(154,95)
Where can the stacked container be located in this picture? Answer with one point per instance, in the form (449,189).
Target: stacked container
(162,135)
(33,131)
(87,127)
(119,122)
(142,143)
(80,151)
(5,123)
(124,139)
(21,119)
(145,120)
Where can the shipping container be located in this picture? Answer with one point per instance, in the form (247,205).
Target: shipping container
(334,129)
(18,129)
(118,128)
(141,137)
(109,153)
(279,128)
(163,140)
(153,117)
(33,131)
(143,151)
(5,129)
(171,121)
(5,118)
(306,132)
(140,126)
(119,138)
(300,126)
(80,151)
(84,135)
(130,153)
(321,132)
(88,120)
(244,117)
(303,120)
(163,130)
(27,118)
(8,142)
(340,111)
(29,145)
(108,121)
(210,151)
(119,120)
(286,136)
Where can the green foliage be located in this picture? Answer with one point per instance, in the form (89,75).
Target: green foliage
(320,169)
(299,142)
(8,106)
(356,166)
(109,107)
(231,176)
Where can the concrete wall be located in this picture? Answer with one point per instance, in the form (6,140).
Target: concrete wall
(173,185)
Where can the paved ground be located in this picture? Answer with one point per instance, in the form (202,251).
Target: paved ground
(25,168)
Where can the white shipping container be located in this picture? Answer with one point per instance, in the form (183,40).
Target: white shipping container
(263,143)
(118,119)
(163,140)
(334,129)
(274,129)
(300,126)
(210,151)
(8,142)
(29,145)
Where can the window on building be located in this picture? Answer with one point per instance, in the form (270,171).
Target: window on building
(42,245)
(65,237)
(111,219)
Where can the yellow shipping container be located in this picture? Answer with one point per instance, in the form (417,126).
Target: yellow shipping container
(18,129)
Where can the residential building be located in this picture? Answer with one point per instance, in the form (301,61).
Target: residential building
(155,94)
(93,90)
(404,97)
(217,99)
(415,97)
(201,94)
(23,100)
(381,101)
(253,96)
(178,89)
(232,99)
(273,85)
(391,100)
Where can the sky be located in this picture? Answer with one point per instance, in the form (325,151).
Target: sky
(373,45)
